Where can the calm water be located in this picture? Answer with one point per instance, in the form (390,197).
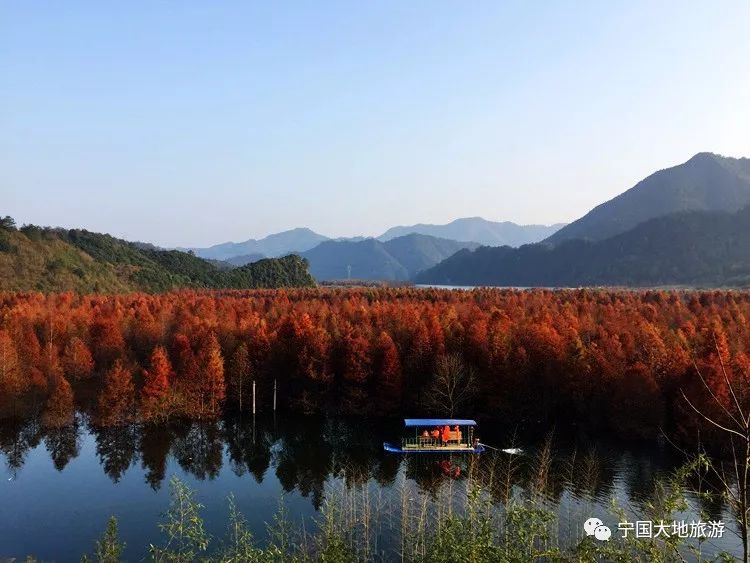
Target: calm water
(57,489)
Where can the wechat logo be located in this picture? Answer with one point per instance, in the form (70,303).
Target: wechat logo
(595,527)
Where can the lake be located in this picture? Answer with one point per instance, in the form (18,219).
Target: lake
(58,488)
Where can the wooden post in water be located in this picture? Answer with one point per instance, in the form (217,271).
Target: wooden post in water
(274,394)
(253,396)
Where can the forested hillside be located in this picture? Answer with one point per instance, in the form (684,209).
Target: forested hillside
(44,259)
(693,248)
(706,182)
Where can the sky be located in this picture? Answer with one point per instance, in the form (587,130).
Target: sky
(192,123)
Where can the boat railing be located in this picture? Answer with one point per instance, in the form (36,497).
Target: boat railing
(430,442)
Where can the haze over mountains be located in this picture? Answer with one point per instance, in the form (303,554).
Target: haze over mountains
(472,229)
(396,255)
(397,259)
(476,229)
(685,225)
(278,244)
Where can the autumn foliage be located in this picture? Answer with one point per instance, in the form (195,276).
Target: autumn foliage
(611,360)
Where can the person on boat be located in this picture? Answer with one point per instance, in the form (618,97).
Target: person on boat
(435,434)
(446,434)
(457,434)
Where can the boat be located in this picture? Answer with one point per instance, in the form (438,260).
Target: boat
(429,437)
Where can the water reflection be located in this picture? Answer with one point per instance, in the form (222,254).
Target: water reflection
(305,453)
(315,457)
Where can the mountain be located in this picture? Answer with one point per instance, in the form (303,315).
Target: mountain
(417,252)
(476,229)
(370,259)
(243,259)
(50,260)
(279,244)
(706,182)
(303,239)
(698,248)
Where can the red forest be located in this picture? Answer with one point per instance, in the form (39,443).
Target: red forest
(615,361)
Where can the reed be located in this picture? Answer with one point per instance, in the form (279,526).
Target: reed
(501,512)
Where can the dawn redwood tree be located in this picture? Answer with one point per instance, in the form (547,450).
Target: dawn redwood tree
(302,358)
(146,332)
(155,392)
(213,387)
(51,363)
(30,354)
(239,376)
(59,408)
(355,367)
(117,398)
(186,381)
(77,361)
(387,376)
(12,382)
(107,342)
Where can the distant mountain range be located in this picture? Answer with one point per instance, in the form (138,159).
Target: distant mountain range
(476,229)
(370,259)
(685,225)
(706,182)
(697,248)
(51,260)
(473,229)
(279,244)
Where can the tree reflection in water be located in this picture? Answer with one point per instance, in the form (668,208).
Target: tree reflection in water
(63,444)
(307,454)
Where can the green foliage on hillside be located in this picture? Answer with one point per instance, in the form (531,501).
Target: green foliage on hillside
(44,259)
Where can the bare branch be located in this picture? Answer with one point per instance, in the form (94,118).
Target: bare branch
(714,397)
(729,383)
(724,428)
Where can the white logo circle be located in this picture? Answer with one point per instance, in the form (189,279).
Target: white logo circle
(591,525)
(602,533)
(595,527)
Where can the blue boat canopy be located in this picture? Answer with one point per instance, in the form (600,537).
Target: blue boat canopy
(410,422)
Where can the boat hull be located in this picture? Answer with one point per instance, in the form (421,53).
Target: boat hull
(387,446)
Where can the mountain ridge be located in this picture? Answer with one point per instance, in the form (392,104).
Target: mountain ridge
(477,229)
(705,182)
(302,239)
(46,259)
(298,239)
(398,259)
(694,248)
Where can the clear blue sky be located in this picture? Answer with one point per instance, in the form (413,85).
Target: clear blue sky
(191,123)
